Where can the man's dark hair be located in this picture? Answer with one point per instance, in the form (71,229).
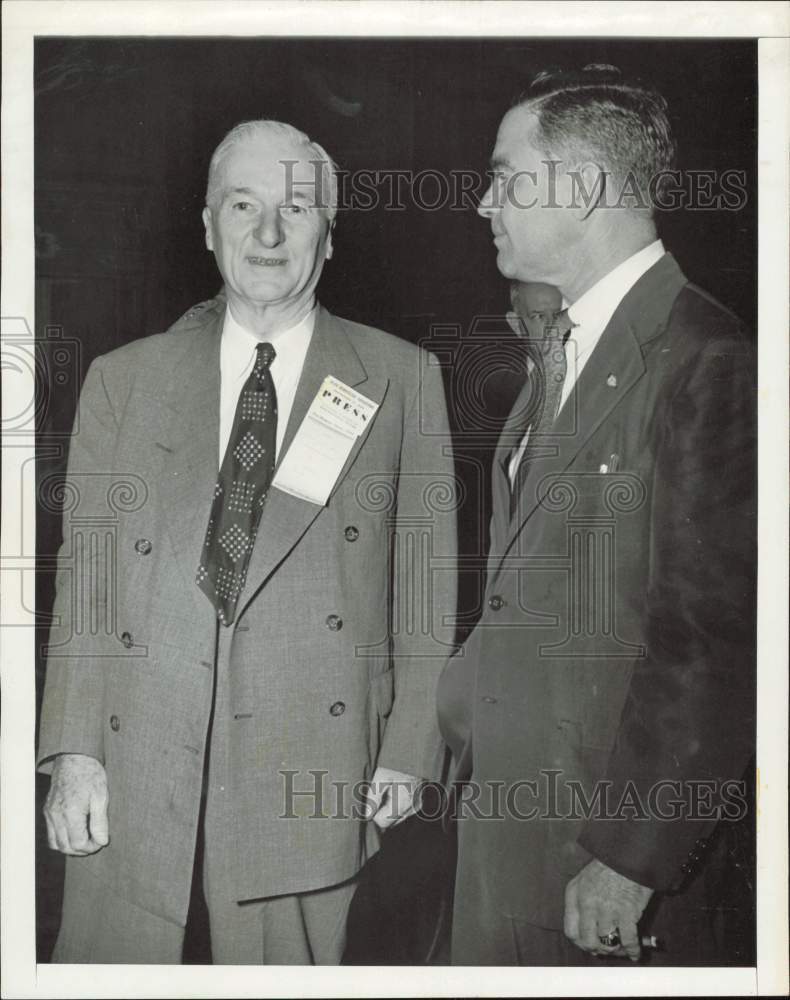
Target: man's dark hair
(596,115)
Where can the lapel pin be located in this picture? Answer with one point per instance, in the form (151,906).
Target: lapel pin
(611,380)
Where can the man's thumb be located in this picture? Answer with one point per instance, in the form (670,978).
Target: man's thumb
(99,825)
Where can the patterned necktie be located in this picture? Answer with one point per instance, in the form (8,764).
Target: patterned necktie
(240,493)
(549,369)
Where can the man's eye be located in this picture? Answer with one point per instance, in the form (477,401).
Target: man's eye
(241,206)
(294,209)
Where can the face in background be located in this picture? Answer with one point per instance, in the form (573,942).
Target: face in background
(537,304)
(533,233)
(268,230)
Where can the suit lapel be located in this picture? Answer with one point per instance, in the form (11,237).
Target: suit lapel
(616,364)
(286,518)
(188,439)
(591,400)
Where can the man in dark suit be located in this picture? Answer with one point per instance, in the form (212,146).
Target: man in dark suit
(602,711)
(245,667)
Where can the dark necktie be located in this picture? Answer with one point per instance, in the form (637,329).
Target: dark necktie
(244,479)
(547,379)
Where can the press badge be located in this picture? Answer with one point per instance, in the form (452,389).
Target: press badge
(311,466)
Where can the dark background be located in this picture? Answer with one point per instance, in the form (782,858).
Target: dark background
(124,130)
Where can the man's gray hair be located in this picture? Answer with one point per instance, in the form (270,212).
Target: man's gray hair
(326,189)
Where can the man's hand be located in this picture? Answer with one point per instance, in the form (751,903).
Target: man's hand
(597,901)
(76,806)
(391,797)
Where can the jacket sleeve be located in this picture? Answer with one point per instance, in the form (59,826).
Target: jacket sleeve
(687,728)
(423,570)
(81,636)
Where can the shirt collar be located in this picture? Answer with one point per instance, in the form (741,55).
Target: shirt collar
(596,307)
(238,343)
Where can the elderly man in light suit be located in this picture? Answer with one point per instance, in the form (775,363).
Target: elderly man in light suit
(296,700)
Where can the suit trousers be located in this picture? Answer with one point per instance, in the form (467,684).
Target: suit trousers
(483,935)
(100,927)
(688,924)
(307,928)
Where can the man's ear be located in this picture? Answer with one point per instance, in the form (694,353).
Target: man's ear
(207,224)
(588,189)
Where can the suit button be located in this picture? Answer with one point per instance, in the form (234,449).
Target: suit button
(496,603)
(127,640)
(351,533)
(334,623)
(142,546)
(115,723)
(489,700)
(338,708)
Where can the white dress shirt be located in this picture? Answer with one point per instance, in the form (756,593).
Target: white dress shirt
(236,360)
(591,313)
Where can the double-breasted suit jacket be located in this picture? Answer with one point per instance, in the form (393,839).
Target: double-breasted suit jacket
(334,652)
(615,652)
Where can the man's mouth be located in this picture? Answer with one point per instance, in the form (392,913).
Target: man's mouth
(267,261)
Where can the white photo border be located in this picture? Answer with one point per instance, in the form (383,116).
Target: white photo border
(23,20)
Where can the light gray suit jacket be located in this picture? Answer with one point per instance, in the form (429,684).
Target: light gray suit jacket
(129,677)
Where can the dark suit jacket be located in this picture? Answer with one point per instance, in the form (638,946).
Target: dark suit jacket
(616,644)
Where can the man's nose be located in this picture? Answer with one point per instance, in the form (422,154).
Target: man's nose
(487,207)
(269,229)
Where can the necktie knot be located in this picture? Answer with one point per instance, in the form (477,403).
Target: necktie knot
(264,355)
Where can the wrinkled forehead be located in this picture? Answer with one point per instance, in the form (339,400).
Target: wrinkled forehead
(282,166)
